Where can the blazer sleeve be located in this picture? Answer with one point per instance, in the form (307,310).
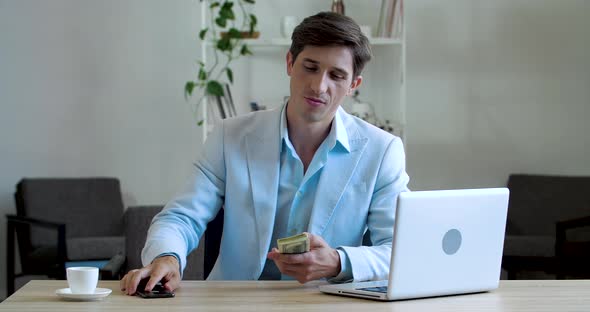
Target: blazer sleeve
(180,225)
(372,263)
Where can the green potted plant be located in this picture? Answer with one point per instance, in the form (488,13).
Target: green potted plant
(227,40)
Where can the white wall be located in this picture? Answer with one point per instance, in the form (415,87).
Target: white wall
(497,87)
(95,88)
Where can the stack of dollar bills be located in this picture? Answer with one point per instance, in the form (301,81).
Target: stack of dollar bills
(294,244)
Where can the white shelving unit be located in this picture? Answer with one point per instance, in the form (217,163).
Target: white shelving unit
(287,42)
(384,83)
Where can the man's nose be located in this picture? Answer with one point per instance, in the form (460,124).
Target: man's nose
(319,83)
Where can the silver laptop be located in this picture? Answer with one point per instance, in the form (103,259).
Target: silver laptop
(444,243)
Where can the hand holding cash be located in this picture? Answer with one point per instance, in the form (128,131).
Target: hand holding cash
(305,257)
(294,244)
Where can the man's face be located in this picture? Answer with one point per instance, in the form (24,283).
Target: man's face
(321,77)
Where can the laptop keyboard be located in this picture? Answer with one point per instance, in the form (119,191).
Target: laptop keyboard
(381,289)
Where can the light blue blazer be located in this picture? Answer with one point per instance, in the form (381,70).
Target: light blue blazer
(239,169)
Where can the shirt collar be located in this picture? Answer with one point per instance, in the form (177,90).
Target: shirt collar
(337,132)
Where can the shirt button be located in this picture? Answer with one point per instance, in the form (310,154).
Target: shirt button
(299,193)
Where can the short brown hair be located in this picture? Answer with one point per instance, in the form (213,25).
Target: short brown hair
(332,29)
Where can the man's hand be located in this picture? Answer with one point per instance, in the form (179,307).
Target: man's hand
(165,269)
(321,261)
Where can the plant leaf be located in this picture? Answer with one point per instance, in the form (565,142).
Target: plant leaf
(224,44)
(200,123)
(188,89)
(221,22)
(253,23)
(250,1)
(230,75)
(245,50)
(214,88)
(202,74)
(213,5)
(226,11)
(234,33)
(227,5)
(202,33)
(231,15)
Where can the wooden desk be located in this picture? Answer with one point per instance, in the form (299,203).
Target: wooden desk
(290,296)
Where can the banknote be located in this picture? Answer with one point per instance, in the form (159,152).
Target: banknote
(294,244)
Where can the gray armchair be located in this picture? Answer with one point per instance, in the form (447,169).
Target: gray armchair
(61,221)
(548,225)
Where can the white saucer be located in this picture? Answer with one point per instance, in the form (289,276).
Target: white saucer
(98,294)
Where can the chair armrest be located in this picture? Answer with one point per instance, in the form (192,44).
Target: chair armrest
(113,268)
(14,222)
(572,223)
(20,220)
(561,227)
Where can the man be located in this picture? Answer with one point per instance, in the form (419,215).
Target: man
(305,167)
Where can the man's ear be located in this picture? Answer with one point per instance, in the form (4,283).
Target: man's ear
(289,63)
(356,82)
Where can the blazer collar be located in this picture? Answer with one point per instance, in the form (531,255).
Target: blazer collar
(338,132)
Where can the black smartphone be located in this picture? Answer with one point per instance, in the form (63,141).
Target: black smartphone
(157,292)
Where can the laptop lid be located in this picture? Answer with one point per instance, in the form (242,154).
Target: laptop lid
(445,242)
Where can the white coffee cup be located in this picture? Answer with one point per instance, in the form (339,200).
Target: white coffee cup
(82,280)
(288,24)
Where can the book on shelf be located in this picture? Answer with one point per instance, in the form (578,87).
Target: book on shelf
(231,108)
(390,19)
(213,113)
(221,107)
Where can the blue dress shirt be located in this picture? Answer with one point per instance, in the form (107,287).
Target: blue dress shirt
(297,193)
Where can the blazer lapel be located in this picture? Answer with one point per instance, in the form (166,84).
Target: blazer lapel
(262,152)
(336,175)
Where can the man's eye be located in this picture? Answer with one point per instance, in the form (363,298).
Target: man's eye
(309,68)
(337,77)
